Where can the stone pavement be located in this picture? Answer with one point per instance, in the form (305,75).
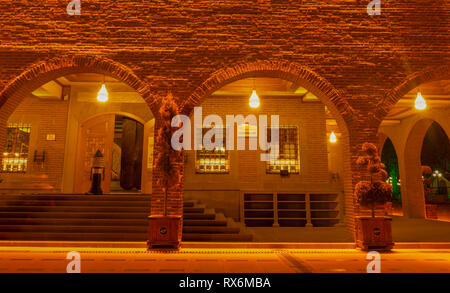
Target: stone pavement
(219,260)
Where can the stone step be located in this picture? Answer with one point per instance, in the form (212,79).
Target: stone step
(188,204)
(73,229)
(76,209)
(99,209)
(210,230)
(192,210)
(75,197)
(81,203)
(101,218)
(218,237)
(187,222)
(83,215)
(197,216)
(74,221)
(73,236)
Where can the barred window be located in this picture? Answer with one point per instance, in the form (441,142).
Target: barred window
(15,158)
(212,161)
(247,131)
(288,158)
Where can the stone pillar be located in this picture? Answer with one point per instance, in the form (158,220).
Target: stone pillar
(409,163)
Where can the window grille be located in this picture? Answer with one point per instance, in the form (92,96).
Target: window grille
(15,158)
(288,157)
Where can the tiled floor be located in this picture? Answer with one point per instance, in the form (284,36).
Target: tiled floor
(190,260)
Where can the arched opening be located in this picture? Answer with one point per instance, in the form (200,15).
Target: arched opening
(435,158)
(298,196)
(66,124)
(390,160)
(407,125)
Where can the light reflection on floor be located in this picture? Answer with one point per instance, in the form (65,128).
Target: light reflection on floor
(199,260)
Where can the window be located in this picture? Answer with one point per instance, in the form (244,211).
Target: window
(247,131)
(288,158)
(15,158)
(214,161)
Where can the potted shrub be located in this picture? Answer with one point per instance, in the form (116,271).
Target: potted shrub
(373,232)
(165,230)
(430,208)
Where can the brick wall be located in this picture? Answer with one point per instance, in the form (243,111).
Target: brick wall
(36,112)
(247,172)
(363,63)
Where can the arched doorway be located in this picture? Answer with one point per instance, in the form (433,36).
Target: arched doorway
(390,160)
(120,139)
(435,159)
(48,92)
(407,124)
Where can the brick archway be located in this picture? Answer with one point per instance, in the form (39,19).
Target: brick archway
(47,70)
(289,71)
(412,81)
(42,72)
(301,75)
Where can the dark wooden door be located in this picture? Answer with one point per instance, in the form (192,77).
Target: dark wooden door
(131,158)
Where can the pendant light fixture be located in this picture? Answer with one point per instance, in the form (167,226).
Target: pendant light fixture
(420,102)
(102,95)
(333,138)
(254,99)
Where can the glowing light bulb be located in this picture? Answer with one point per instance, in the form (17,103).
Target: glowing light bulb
(333,138)
(254,100)
(420,102)
(102,95)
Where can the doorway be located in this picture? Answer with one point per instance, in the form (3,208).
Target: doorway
(127,151)
(120,139)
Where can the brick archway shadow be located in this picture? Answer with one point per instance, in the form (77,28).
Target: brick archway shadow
(47,70)
(301,75)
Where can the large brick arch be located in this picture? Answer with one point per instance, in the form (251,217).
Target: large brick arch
(47,70)
(301,75)
(286,70)
(412,81)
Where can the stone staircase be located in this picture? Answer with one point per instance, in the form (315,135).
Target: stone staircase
(118,217)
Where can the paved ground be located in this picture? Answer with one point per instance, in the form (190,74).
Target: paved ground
(222,260)
(411,230)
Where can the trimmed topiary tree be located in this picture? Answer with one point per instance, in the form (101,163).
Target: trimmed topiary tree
(375,191)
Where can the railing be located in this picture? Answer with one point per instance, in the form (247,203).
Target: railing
(292,209)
